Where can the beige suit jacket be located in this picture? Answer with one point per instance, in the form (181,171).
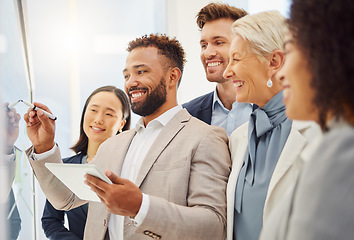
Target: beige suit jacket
(285,172)
(185,174)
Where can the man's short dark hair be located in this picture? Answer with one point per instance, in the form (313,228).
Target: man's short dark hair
(215,11)
(168,47)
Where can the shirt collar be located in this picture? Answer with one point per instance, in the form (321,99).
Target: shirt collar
(163,119)
(216,100)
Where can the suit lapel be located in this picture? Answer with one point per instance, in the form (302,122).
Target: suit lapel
(162,141)
(291,151)
(238,146)
(123,147)
(204,113)
(98,215)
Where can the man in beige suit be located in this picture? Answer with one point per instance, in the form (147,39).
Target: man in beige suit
(169,174)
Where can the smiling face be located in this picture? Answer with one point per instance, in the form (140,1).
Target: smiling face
(216,37)
(249,74)
(103,117)
(296,79)
(145,80)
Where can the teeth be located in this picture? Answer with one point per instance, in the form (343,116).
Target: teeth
(98,129)
(135,95)
(238,84)
(214,64)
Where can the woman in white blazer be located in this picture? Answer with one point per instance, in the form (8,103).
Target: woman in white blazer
(267,152)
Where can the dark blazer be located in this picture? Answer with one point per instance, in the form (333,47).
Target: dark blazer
(201,107)
(53,220)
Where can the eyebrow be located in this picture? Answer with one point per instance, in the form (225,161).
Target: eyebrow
(136,67)
(214,38)
(288,42)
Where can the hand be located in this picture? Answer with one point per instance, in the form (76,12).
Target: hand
(40,129)
(12,129)
(122,197)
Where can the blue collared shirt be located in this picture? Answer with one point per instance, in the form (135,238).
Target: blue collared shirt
(229,119)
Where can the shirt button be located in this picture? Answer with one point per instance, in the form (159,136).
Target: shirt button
(231,115)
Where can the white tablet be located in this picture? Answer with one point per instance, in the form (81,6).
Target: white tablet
(73,176)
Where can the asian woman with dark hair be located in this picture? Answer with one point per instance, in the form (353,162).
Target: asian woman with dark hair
(106,113)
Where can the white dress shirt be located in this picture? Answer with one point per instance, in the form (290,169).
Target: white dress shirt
(140,146)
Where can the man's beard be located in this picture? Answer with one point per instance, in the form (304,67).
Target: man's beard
(153,100)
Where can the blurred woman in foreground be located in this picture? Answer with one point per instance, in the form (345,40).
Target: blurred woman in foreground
(318,76)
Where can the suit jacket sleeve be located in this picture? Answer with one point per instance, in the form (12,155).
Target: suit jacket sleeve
(56,192)
(204,216)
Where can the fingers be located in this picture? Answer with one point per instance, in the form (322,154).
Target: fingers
(122,197)
(115,178)
(40,128)
(17,117)
(31,117)
(26,118)
(98,186)
(99,191)
(95,183)
(42,106)
(34,116)
(44,119)
(13,117)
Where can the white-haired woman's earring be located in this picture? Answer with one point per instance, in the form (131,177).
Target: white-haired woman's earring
(120,130)
(269,83)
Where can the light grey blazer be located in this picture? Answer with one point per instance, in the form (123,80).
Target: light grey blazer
(185,174)
(285,172)
(322,205)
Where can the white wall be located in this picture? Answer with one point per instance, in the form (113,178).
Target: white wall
(181,16)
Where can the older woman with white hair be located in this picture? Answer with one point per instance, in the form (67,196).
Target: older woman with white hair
(268,151)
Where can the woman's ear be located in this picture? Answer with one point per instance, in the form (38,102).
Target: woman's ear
(122,124)
(276,60)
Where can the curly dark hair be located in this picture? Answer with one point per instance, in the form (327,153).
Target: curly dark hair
(168,47)
(215,11)
(82,143)
(322,29)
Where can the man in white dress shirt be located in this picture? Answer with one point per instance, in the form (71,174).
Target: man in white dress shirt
(169,174)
